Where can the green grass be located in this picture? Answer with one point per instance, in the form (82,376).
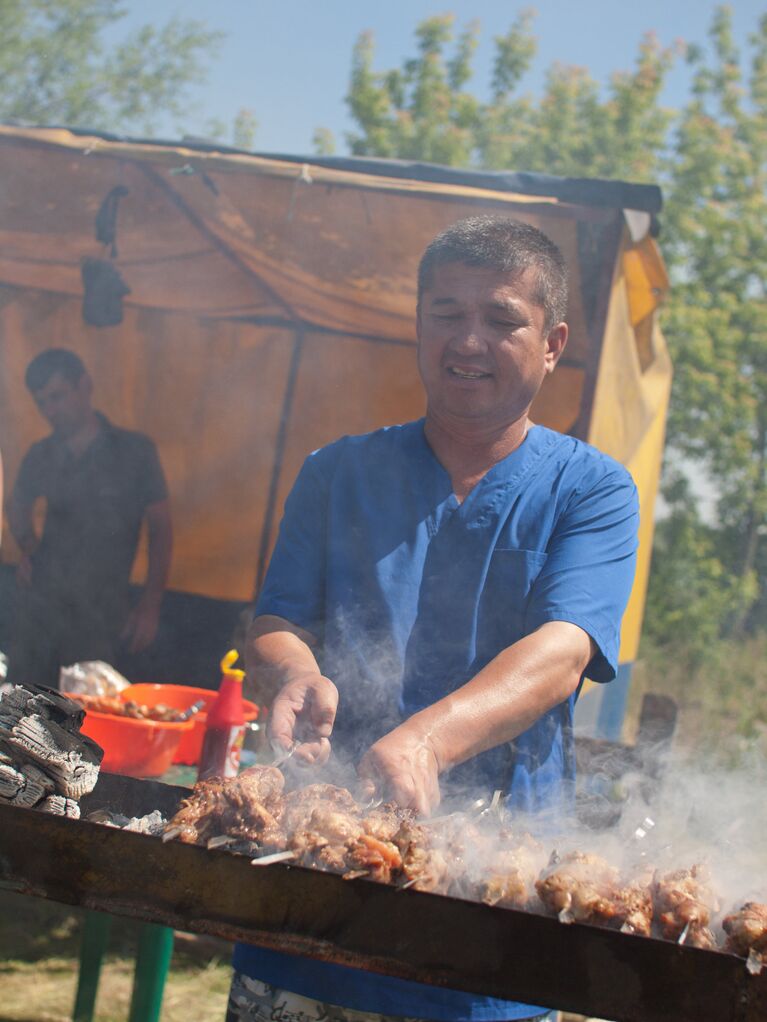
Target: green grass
(39,957)
(722,698)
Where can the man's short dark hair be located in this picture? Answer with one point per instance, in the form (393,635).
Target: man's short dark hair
(509,246)
(48,363)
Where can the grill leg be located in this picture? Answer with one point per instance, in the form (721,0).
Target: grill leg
(154,952)
(95,938)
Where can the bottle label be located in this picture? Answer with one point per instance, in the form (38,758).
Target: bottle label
(234,750)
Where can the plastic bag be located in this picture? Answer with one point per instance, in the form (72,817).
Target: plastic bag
(93,678)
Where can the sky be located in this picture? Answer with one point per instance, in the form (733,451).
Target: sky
(289,61)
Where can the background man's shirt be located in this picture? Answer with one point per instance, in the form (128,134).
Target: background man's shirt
(95,505)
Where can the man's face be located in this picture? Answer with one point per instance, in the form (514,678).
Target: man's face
(64,404)
(482,348)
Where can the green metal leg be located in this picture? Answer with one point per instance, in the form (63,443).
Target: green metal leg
(152,961)
(94,942)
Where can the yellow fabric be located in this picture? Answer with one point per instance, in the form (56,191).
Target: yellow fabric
(271,310)
(628,418)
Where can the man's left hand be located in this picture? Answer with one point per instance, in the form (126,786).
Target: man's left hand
(140,629)
(403,766)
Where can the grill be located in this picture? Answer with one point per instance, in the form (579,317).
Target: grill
(404,933)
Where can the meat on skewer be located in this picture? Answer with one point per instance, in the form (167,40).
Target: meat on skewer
(684,902)
(508,879)
(746,930)
(245,806)
(582,887)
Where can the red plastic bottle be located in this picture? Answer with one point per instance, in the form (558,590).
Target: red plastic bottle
(225,726)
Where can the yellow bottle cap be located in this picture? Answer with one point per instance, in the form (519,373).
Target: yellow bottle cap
(226,665)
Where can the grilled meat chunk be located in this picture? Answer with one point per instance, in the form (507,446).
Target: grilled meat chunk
(424,865)
(244,806)
(746,930)
(684,903)
(580,887)
(510,875)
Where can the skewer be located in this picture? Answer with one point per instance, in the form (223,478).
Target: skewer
(755,962)
(355,874)
(284,755)
(267,860)
(220,841)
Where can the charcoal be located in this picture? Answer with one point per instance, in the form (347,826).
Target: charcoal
(23,785)
(58,805)
(45,702)
(72,761)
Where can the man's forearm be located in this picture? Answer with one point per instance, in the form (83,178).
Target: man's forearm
(507,696)
(22,528)
(159,551)
(276,652)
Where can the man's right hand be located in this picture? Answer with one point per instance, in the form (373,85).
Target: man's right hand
(303,712)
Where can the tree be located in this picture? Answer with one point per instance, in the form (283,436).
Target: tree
(709,578)
(57,68)
(423,111)
(420,112)
(716,321)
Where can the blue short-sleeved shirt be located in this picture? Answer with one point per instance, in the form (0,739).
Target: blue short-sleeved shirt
(411,593)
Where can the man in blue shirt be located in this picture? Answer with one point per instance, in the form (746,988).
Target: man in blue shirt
(440,589)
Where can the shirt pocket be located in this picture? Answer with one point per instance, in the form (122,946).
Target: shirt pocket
(505,597)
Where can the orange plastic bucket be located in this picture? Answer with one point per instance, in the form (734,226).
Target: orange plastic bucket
(181,697)
(138,748)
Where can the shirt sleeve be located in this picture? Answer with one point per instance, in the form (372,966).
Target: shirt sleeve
(589,570)
(294,587)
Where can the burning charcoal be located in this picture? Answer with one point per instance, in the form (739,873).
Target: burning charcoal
(72,761)
(58,805)
(43,702)
(23,785)
(153,823)
(746,930)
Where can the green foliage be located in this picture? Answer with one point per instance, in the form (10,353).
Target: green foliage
(323,142)
(244,130)
(423,111)
(707,577)
(693,593)
(56,67)
(716,321)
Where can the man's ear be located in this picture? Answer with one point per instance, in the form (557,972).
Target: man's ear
(555,345)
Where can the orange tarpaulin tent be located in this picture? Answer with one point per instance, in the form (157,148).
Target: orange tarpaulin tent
(271,309)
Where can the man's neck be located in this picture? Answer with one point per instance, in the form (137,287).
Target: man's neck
(81,439)
(468,452)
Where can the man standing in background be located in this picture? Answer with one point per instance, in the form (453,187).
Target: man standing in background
(100,484)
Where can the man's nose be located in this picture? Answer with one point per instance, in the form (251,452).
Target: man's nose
(470,337)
